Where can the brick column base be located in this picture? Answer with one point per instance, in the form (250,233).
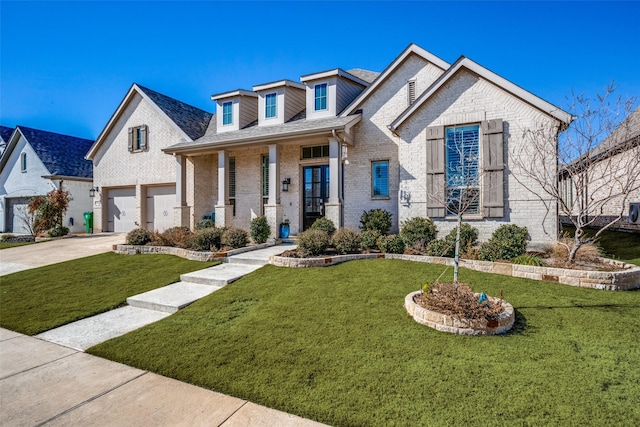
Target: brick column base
(274,214)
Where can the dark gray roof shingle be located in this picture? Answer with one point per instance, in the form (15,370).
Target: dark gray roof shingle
(366,75)
(62,154)
(5,133)
(193,121)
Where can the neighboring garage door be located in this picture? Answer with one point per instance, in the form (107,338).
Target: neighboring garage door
(121,210)
(160,206)
(17,209)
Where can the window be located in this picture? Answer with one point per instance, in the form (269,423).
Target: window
(23,162)
(462,169)
(227,113)
(232,183)
(315,152)
(321,97)
(270,109)
(138,138)
(265,180)
(380,179)
(411,91)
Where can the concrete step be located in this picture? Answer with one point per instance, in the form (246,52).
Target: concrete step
(219,275)
(91,331)
(261,256)
(171,298)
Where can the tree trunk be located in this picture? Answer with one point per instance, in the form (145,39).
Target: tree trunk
(456,258)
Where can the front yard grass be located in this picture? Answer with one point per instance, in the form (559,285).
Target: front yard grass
(336,345)
(620,245)
(33,301)
(5,245)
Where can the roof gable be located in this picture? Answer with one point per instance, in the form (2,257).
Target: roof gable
(382,77)
(62,155)
(468,64)
(190,121)
(5,133)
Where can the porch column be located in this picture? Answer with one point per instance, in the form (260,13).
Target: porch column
(181,211)
(273,209)
(224,210)
(333,208)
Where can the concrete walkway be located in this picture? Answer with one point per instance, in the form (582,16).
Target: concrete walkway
(45,384)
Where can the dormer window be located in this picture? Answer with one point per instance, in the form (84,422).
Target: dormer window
(270,105)
(227,113)
(321,97)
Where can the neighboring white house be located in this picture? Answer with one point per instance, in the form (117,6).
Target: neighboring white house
(36,162)
(136,180)
(339,143)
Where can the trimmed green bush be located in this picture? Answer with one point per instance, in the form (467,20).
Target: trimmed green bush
(376,219)
(346,241)
(313,242)
(207,239)
(507,242)
(369,239)
(324,224)
(441,247)
(205,223)
(418,232)
(138,236)
(260,229)
(392,244)
(447,247)
(58,231)
(235,237)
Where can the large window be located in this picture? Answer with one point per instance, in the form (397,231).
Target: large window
(227,113)
(265,180)
(462,169)
(232,183)
(380,178)
(321,97)
(270,106)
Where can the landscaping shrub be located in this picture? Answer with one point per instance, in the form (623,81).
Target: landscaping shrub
(260,229)
(346,241)
(369,239)
(588,253)
(441,247)
(376,219)
(418,232)
(205,223)
(325,225)
(6,237)
(207,239)
(138,236)
(392,244)
(527,259)
(313,242)
(57,231)
(235,237)
(507,242)
(179,237)
(447,247)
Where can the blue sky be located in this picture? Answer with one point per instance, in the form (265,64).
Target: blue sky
(65,66)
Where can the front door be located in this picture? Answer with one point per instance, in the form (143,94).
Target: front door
(316,193)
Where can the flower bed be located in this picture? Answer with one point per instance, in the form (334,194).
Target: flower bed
(461,326)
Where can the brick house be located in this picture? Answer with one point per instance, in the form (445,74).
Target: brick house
(338,143)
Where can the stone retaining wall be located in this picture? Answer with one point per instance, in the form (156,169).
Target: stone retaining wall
(281,261)
(185,253)
(455,325)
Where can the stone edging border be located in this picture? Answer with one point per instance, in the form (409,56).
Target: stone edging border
(627,279)
(185,253)
(455,325)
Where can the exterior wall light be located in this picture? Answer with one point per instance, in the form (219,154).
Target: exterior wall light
(285,184)
(93,190)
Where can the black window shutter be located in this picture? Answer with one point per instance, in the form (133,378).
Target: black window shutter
(435,172)
(493,168)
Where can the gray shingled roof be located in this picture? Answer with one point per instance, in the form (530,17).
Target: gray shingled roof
(256,133)
(62,155)
(5,133)
(193,121)
(366,75)
(628,130)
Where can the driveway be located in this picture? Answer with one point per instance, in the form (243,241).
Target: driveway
(54,251)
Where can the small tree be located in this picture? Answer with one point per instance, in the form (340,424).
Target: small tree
(593,181)
(47,211)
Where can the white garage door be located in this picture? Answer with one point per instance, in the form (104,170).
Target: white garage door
(160,206)
(17,213)
(121,210)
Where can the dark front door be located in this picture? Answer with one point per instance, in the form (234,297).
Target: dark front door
(316,193)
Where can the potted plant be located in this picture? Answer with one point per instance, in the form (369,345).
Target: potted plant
(284,229)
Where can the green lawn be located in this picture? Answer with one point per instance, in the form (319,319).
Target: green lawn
(33,301)
(5,245)
(621,245)
(335,345)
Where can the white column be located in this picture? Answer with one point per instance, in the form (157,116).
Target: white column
(333,208)
(223,177)
(274,174)
(181,181)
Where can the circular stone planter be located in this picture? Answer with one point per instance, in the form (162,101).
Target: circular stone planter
(455,325)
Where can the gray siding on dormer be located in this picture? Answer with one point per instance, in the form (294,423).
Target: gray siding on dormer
(294,102)
(248,111)
(346,92)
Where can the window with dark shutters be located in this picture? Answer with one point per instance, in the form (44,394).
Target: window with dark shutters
(435,171)
(138,138)
(493,168)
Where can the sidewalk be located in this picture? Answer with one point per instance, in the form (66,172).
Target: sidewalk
(42,383)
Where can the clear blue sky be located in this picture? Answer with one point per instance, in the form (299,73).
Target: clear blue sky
(65,66)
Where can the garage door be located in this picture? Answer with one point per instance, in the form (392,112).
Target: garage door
(160,206)
(17,211)
(121,210)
